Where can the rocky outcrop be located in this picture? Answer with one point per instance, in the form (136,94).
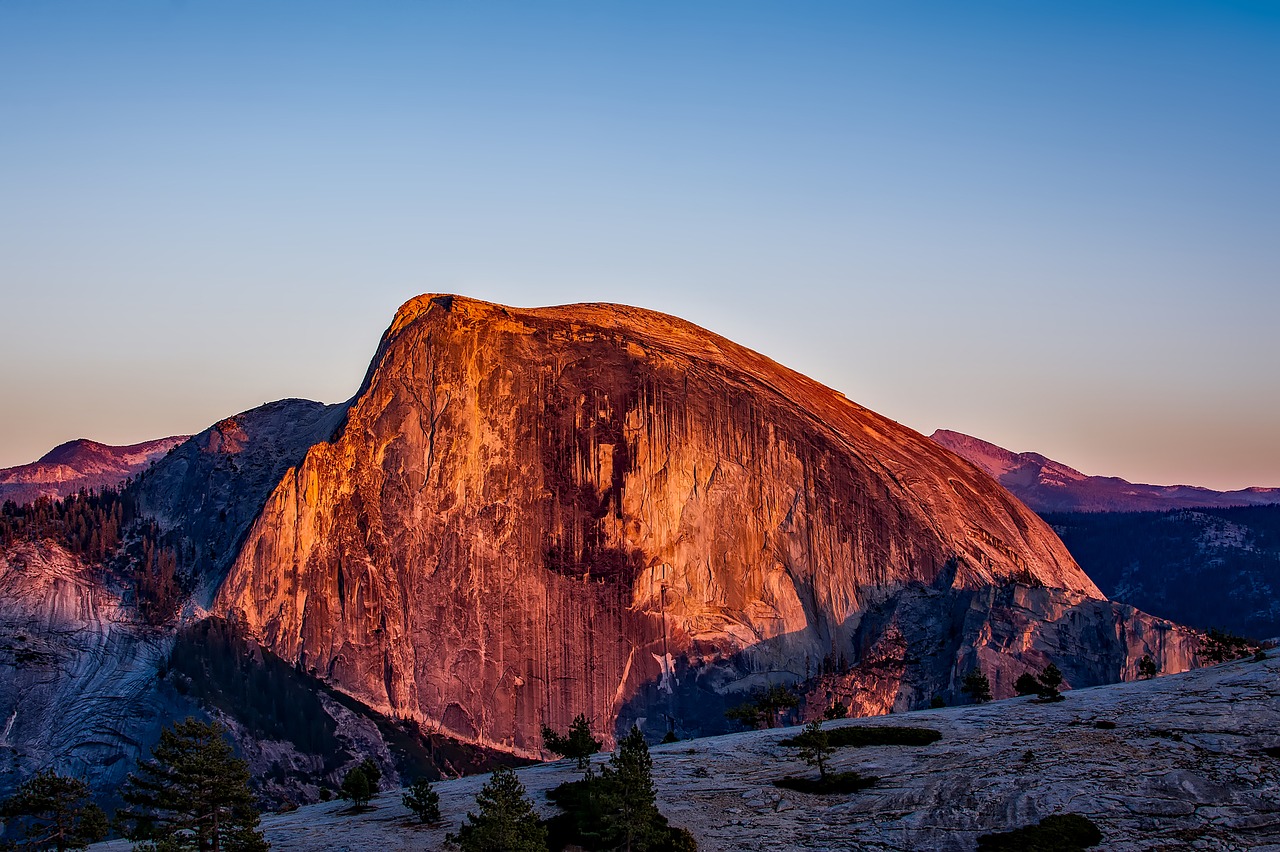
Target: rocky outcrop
(81,671)
(920,644)
(79,464)
(1049,486)
(1183,762)
(529,514)
(208,491)
(77,669)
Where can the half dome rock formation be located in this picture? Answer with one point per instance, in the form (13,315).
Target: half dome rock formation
(528,514)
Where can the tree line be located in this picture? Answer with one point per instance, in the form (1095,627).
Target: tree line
(106,528)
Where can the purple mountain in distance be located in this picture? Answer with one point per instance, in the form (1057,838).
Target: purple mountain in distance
(80,464)
(1045,485)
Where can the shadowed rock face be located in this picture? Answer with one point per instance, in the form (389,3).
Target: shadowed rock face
(530,514)
(209,490)
(77,669)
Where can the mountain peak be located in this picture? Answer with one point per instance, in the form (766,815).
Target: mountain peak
(81,463)
(1046,485)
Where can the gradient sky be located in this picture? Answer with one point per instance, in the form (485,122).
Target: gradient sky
(1052,225)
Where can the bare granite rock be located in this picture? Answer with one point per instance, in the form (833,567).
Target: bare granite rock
(530,514)
(77,669)
(1185,767)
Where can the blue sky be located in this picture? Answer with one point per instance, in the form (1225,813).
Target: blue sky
(1052,225)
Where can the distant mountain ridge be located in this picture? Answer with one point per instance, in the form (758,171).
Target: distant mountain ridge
(80,464)
(1045,485)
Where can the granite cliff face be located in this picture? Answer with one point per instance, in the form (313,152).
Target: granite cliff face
(81,669)
(77,669)
(529,514)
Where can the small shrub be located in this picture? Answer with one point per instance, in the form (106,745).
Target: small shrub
(874,735)
(1056,833)
(1026,684)
(1105,725)
(423,801)
(832,783)
(1259,656)
(577,745)
(937,702)
(670,738)
(977,686)
(835,711)
(1147,667)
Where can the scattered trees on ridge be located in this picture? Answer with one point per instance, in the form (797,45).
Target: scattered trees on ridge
(617,809)
(765,707)
(1045,685)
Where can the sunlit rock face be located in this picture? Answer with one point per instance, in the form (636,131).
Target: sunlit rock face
(529,514)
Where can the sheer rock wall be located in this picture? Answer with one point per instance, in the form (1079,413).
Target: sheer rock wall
(529,514)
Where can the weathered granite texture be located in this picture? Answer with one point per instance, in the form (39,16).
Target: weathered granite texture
(77,669)
(207,491)
(1190,764)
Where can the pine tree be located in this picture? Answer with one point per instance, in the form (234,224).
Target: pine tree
(423,801)
(578,744)
(195,791)
(978,686)
(1027,684)
(815,747)
(1147,667)
(372,771)
(1050,679)
(632,822)
(50,811)
(507,821)
(357,788)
